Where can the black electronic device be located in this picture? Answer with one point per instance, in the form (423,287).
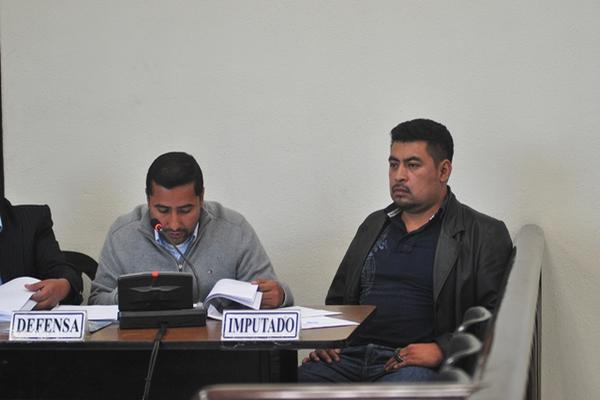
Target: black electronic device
(152,299)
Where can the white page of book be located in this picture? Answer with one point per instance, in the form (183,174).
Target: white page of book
(242,292)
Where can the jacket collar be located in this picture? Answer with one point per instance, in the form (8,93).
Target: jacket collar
(393,210)
(447,250)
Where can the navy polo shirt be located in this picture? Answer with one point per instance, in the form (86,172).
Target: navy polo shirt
(397,277)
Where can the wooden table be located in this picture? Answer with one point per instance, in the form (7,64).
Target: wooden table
(112,363)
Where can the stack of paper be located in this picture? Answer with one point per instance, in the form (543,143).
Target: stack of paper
(240,292)
(14,297)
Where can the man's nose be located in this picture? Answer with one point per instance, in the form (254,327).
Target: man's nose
(173,222)
(399,174)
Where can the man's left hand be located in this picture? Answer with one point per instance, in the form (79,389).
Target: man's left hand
(419,354)
(272,293)
(49,292)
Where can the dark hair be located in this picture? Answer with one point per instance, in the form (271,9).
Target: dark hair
(440,145)
(175,169)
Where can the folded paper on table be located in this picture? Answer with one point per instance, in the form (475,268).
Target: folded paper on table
(98,316)
(94,312)
(324,322)
(307,312)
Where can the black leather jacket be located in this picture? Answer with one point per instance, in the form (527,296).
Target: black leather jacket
(470,264)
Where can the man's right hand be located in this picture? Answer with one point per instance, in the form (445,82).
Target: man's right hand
(49,292)
(327,355)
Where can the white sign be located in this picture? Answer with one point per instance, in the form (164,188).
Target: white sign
(260,325)
(48,325)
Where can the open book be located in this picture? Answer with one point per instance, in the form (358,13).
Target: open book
(14,297)
(243,293)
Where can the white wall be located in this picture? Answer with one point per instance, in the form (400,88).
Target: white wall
(287,106)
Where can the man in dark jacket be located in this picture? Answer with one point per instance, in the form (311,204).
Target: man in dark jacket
(422,261)
(28,248)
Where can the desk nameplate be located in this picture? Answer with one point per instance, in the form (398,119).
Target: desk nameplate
(32,326)
(260,325)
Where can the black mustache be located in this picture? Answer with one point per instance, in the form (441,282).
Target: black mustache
(400,186)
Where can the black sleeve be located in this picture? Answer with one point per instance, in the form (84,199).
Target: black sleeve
(494,257)
(492,266)
(50,261)
(345,288)
(337,293)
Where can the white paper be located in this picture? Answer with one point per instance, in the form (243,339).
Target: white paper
(95,312)
(213,313)
(307,312)
(244,293)
(324,322)
(14,297)
(312,318)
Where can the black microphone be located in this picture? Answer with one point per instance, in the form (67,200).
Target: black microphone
(157,226)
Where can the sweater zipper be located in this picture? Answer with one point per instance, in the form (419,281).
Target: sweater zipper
(179,264)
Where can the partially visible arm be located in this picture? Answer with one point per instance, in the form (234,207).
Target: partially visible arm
(491,266)
(273,295)
(255,265)
(52,267)
(337,289)
(326,355)
(336,294)
(104,286)
(419,354)
(49,292)
(344,288)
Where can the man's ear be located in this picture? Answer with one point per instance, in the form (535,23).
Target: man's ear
(445,169)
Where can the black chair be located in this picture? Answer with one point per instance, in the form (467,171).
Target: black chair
(463,352)
(82,262)
(450,374)
(475,321)
(87,266)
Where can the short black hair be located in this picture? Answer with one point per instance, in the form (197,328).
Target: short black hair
(440,145)
(175,169)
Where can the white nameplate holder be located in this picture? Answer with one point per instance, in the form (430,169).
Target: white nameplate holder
(256,325)
(35,326)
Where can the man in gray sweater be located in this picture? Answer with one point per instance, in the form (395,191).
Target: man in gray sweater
(216,242)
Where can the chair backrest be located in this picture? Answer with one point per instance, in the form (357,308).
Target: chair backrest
(463,352)
(475,321)
(450,374)
(82,262)
(87,266)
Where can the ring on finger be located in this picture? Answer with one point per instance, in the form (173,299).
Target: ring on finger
(397,356)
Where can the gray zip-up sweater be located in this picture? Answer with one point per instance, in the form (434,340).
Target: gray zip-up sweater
(226,247)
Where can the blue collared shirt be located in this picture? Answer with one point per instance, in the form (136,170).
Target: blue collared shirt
(397,277)
(182,247)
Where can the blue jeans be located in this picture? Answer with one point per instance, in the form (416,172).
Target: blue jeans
(362,364)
